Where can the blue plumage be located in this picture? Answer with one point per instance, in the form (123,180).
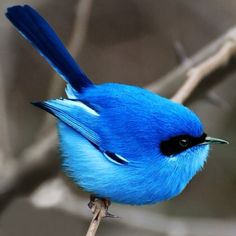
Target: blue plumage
(119,142)
(131,123)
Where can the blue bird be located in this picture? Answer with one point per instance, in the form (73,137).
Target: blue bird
(118,142)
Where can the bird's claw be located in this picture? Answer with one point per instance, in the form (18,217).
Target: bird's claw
(109,215)
(93,205)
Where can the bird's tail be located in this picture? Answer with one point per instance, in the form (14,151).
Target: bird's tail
(40,34)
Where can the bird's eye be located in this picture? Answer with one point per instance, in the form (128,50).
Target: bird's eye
(180,143)
(184,142)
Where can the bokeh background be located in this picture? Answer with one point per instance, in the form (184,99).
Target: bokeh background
(126,41)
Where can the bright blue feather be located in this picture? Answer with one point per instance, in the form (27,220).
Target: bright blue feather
(34,28)
(111,135)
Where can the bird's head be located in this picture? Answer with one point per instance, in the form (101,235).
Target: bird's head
(182,132)
(179,146)
(183,145)
(146,124)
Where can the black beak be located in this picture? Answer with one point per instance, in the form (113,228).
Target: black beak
(210,140)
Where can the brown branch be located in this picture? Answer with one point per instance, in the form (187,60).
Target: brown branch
(196,74)
(99,211)
(172,81)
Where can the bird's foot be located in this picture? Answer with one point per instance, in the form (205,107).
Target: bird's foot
(96,203)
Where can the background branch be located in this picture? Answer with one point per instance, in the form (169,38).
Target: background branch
(196,74)
(99,211)
(170,83)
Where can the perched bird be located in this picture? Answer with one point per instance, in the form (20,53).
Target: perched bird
(119,142)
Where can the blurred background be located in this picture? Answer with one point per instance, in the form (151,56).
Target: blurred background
(127,41)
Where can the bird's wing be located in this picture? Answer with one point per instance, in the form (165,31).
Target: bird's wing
(41,35)
(83,119)
(75,114)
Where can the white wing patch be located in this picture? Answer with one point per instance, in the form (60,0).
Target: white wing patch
(87,108)
(70,92)
(81,105)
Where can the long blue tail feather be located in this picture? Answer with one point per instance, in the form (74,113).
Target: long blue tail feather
(40,34)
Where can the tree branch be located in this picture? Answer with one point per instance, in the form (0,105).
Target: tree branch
(171,82)
(99,211)
(196,74)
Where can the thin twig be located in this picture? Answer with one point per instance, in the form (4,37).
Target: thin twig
(196,74)
(99,211)
(180,52)
(172,81)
